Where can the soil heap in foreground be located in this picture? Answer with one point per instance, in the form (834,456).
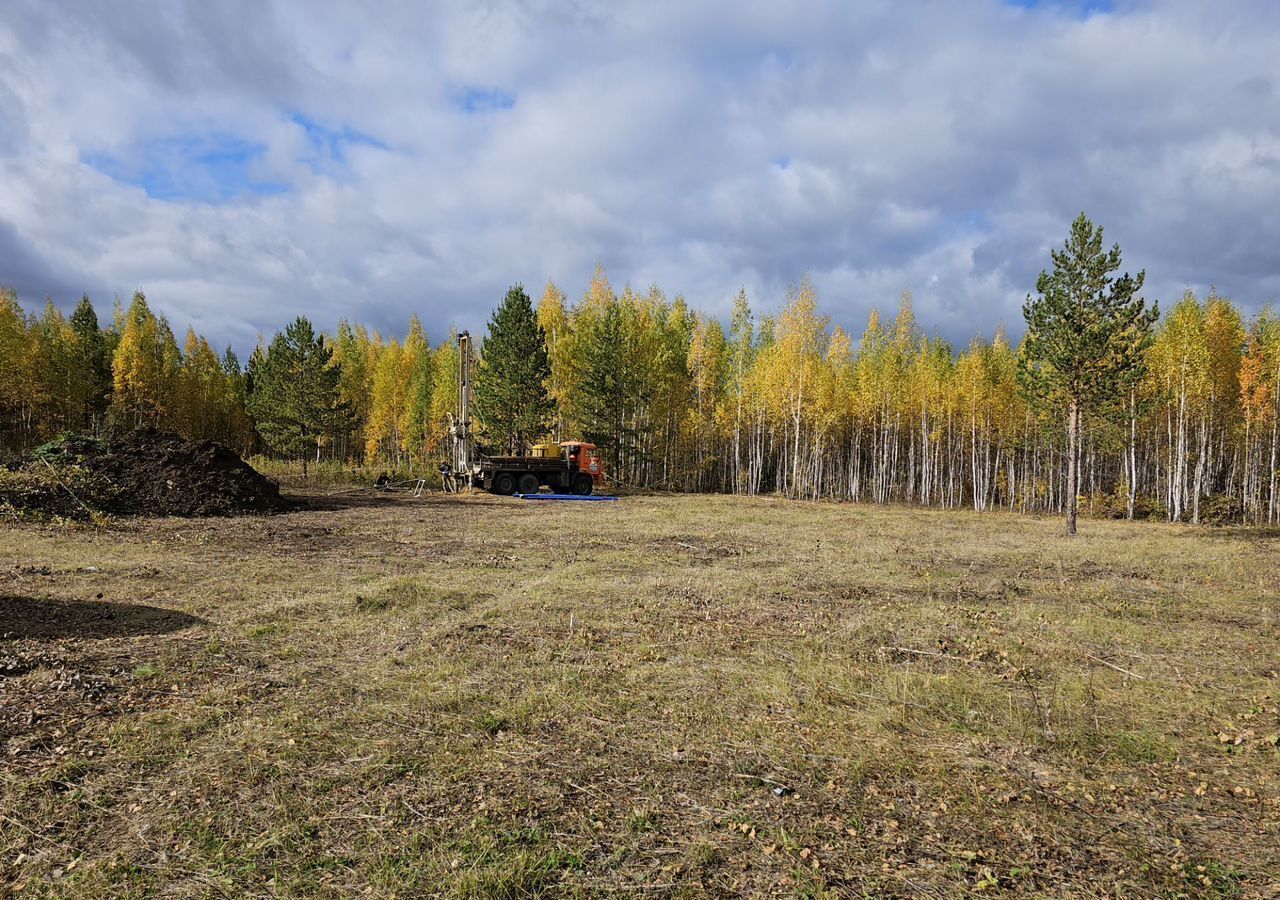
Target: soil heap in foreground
(149,472)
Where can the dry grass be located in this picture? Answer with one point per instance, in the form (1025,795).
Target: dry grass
(682,696)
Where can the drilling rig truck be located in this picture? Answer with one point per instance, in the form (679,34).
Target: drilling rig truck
(571,467)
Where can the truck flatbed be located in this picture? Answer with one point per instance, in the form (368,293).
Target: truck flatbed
(524,463)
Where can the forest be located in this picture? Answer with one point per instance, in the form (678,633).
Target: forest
(680,401)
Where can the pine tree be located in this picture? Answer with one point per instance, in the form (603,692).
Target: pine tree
(608,387)
(1087,333)
(295,399)
(92,365)
(511,400)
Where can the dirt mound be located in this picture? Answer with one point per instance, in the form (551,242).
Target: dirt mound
(156,473)
(160,474)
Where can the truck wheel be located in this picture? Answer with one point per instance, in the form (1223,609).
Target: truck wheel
(529,483)
(582,485)
(504,483)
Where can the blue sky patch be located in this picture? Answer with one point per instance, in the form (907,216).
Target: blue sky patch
(974,220)
(475,100)
(333,142)
(212,168)
(1080,8)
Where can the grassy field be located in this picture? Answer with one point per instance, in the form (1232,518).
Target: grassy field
(667,696)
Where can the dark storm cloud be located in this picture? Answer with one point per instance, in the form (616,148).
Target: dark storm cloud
(25,272)
(247,163)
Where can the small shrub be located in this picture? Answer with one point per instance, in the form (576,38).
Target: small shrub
(1220,509)
(1115,505)
(69,449)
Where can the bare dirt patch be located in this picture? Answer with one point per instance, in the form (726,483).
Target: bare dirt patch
(64,665)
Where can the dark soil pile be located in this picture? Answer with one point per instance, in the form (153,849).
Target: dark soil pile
(160,474)
(155,473)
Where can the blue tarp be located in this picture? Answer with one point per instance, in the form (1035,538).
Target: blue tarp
(563,497)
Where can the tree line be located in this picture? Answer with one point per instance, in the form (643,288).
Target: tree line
(1177,418)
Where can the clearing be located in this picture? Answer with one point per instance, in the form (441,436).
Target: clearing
(687,696)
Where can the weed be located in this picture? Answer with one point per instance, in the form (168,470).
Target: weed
(492,724)
(146,672)
(266,629)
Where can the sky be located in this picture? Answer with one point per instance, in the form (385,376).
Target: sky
(245,162)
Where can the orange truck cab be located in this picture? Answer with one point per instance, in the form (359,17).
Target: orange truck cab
(584,458)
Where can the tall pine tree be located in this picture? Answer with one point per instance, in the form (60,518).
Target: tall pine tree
(93,365)
(610,388)
(295,399)
(1087,335)
(511,399)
